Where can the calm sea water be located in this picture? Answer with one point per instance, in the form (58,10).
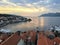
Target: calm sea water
(44,23)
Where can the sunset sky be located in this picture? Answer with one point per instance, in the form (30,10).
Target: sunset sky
(29,7)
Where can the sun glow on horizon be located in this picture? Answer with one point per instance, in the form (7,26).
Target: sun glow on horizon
(22,10)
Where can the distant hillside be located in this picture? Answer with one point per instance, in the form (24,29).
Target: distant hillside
(51,15)
(6,19)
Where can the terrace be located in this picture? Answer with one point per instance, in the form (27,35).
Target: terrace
(29,38)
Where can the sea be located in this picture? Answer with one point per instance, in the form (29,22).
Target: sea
(37,23)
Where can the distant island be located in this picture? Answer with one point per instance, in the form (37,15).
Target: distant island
(6,19)
(51,15)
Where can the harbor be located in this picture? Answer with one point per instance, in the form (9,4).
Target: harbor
(23,33)
(29,22)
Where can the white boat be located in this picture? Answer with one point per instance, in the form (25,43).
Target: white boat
(5,30)
(55,28)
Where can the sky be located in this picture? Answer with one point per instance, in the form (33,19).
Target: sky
(29,7)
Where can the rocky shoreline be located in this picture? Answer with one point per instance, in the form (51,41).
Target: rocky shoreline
(6,19)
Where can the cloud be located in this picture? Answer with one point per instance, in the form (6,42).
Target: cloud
(28,6)
(7,2)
